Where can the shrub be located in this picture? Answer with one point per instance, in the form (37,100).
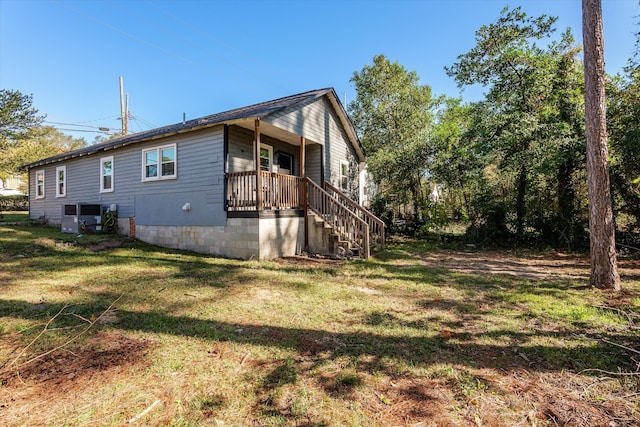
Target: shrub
(14,203)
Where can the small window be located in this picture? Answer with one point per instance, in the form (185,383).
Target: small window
(39,184)
(106,174)
(266,157)
(159,163)
(344,175)
(61,181)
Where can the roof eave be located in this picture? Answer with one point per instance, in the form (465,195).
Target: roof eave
(73,155)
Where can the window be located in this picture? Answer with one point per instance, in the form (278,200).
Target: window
(285,163)
(106,174)
(266,157)
(344,175)
(39,184)
(61,181)
(159,163)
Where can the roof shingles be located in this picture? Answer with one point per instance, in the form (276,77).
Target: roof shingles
(261,110)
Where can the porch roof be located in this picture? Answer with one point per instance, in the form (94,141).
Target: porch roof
(260,111)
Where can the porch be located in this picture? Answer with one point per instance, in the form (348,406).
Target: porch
(351,227)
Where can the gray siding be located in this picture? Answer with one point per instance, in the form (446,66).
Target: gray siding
(318,122)
(200,181)
(241,150)
(313,167)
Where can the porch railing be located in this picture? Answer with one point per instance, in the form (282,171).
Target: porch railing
(376,225)
(277,191)
(348,225)
(353,223)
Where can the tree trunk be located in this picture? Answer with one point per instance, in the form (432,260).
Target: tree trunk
(566,200)
(604,268)
(521,202)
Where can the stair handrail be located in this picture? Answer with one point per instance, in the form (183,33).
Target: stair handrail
(376,225)
(346,222)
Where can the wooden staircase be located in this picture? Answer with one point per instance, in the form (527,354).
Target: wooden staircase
(347,228)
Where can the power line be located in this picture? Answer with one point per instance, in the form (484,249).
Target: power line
(143,121)
(138,39)
(102,128)
(98,120)
(84,130)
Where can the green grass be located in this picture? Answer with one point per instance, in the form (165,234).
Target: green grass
(387,341)
(14,216)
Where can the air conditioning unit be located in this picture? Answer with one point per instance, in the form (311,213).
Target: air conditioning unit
(81,217)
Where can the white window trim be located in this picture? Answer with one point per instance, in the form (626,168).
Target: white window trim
(40,196)
(158,151)
(343,163)
(64,181)
(102,162)
(269,148)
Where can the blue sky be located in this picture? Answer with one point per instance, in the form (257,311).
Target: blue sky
(202,57)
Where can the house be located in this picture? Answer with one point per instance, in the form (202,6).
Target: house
(272,179)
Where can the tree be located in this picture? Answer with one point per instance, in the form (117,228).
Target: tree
(456,160)
(17,115)
(515,70)
(392,114)
(604,266)
(37,143)
(623,127)
(564,118)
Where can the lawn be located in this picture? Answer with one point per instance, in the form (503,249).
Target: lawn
(103,331)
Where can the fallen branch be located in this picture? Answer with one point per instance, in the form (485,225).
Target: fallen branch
(611,373)
(46,327)
(627,246)
(630,316)
(244,359)
(622,346)
(66,343)
(145,412)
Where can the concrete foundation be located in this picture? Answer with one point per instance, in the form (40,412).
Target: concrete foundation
(242,238)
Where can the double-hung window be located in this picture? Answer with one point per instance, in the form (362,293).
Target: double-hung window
(106,174)
(159,163)
(40,184)
(61,181)
(266,157)
(344,175)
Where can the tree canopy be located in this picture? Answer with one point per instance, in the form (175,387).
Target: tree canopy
(22,138)
(392,114)
(17,115)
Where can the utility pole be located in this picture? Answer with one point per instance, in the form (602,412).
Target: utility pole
(124,112)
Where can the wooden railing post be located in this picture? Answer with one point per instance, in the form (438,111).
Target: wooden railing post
(304,203)
(256,160)
(366,246)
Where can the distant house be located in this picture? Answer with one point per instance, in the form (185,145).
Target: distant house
(13,183)
(272,179)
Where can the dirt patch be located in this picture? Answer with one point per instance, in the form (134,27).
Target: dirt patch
(68,373)
(551,399)
(304,261)
(552,266)
(106,350)
(410,401)
(110,244)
